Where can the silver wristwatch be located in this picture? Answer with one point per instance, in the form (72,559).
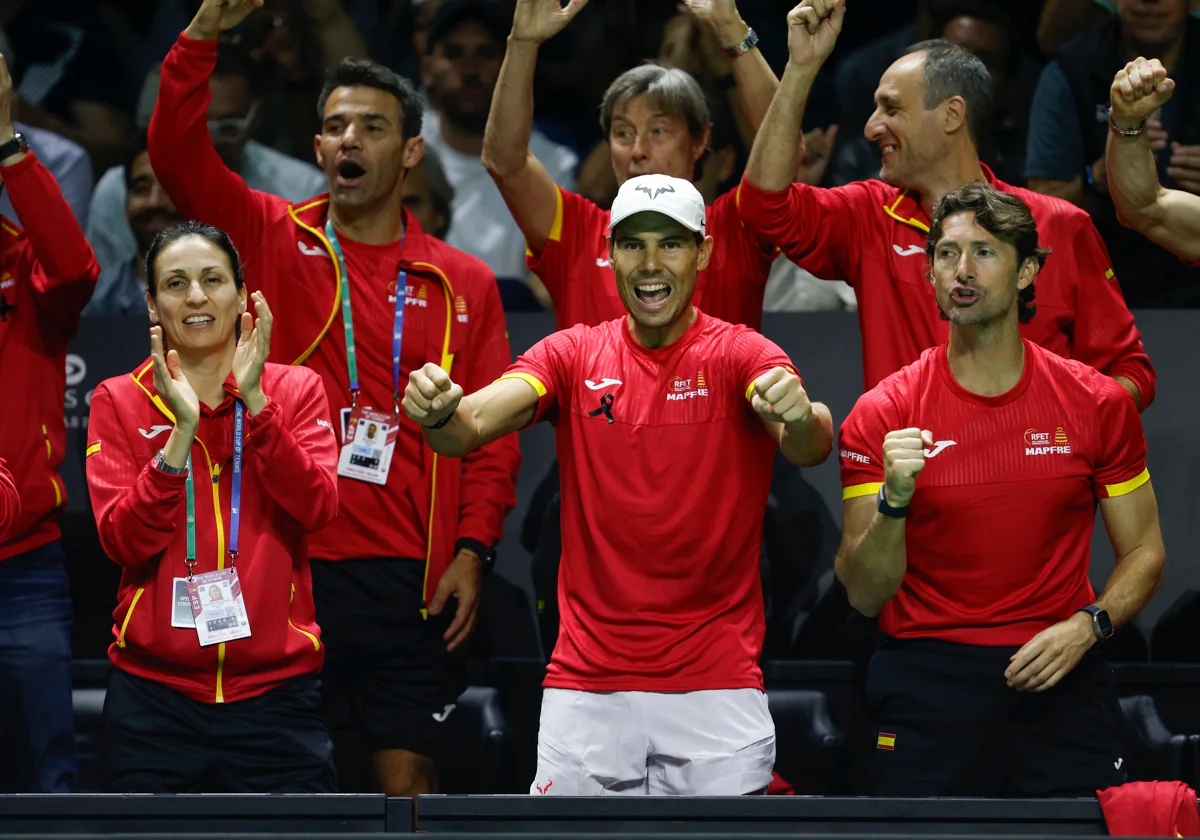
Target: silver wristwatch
(160,461)
(732,51)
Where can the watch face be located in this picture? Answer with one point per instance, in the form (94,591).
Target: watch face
(1103,623)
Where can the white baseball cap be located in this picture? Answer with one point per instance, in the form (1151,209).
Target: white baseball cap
(673,197)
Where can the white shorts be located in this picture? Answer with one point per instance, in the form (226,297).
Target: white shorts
(697,743)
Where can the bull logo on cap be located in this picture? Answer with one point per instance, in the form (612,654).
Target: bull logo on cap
(656,190)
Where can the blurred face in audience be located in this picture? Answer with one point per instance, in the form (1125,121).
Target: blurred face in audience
(986,40)
(646,140)
(196,299)
(230,117)
(1152,23)
(361,147)
(461,74)
(656,260)
(910,137)
(418,198)
(147,206)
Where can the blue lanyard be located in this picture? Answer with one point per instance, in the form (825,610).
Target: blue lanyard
(348,319)
(235,504)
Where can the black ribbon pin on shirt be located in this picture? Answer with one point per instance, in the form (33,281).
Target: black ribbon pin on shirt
(605,408)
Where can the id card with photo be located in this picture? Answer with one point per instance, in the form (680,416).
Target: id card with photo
(370,441)
(217,607)
(181,605)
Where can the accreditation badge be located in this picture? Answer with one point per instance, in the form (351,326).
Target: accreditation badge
(370,440)
(217,607)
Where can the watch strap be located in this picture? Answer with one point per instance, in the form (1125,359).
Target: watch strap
(160,459)
(1125,132)
(486,553)
(439,424)
(732,51)
(889,510)
(13,145)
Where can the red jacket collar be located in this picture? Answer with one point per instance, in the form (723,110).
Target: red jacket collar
(143,377)
(906,207)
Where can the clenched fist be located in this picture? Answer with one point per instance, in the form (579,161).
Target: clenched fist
(903,460)
(217,16)
(813,29)
(430,395)
(779,396)
(1139,90)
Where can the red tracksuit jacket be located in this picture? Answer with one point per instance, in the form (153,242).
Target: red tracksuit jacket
(872,235)
(47,275)
(289,490)
(288,257)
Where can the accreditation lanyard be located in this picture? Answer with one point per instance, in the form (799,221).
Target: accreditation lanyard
(235,503)
(348,320)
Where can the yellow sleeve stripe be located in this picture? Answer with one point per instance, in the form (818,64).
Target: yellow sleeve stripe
(532,380)
(1128,486)
(750,387)
(854,491)
(556,228)
(1108,275)
(92,450)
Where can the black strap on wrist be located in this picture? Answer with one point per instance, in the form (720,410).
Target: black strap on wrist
(485,552)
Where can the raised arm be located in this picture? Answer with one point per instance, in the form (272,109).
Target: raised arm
(65,270)
(756,82)
(505,406)
(527,187)
(813,28)
(181,150)
(872,560)
(1170,218)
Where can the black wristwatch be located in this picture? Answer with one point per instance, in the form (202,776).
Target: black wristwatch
(486,553)
(1101,623)
(888,510)
(14,145)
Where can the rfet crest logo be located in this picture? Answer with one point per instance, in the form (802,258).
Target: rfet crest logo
(1046,443)
(654,192)
(460,309)
(687,388)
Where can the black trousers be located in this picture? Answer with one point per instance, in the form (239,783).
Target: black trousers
(944,723)
(157,740)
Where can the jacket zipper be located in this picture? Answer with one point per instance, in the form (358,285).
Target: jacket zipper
(215,471)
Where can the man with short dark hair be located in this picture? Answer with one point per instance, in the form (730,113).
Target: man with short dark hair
(970,484)
(929,108)
(121,288)
(654,686)
(364,296)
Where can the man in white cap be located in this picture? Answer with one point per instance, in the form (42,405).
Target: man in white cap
(667,421)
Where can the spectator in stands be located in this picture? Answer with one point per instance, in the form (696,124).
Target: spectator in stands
(70,77)
(929,106)
(657,121)
(47,274)
(122,288)
(212,693)
(429,196)
(10,502)
(1069,127)
(466,46)
(67,161)
(232,114)
(652,688)
(971,480)
(1170,218)
(386,568)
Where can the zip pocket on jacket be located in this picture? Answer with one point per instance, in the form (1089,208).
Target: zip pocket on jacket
(128,615)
